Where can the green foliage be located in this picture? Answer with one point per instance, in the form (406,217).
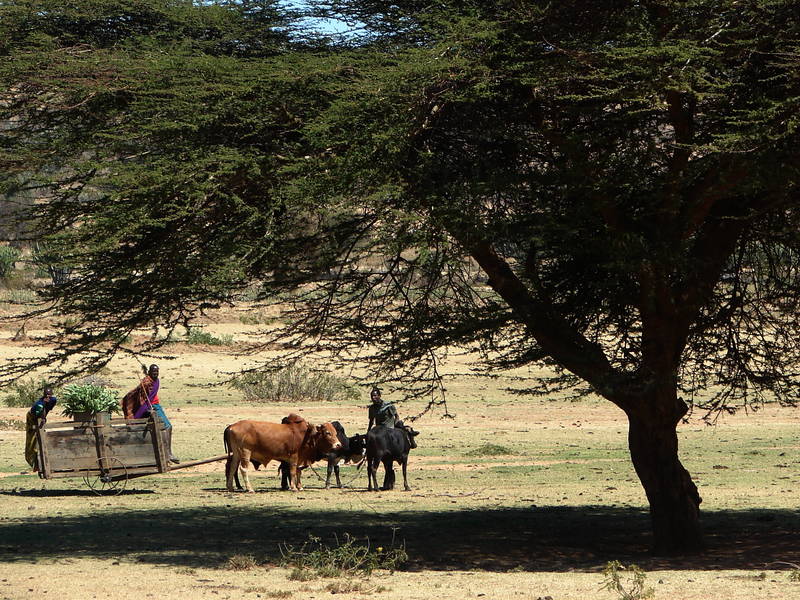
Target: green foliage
(49,259)
(489,450)
(23,393)
(8,256)
(295,383)
(631,587)
(196,335)
(78,398)
(160,118)
(348,558)
(258,318)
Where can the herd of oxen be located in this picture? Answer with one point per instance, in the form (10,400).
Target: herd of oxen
(296,443)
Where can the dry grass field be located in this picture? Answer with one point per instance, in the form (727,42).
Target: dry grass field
(512,498)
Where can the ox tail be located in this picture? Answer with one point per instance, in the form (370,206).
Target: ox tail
(226,435)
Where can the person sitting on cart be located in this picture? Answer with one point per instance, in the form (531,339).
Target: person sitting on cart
(143,400)
(36,418)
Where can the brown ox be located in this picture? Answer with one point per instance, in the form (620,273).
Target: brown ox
(296,442)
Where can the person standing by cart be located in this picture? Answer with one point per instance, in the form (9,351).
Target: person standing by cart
(143,400)
(36,418)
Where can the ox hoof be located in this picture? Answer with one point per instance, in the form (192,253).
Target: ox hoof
(408,489)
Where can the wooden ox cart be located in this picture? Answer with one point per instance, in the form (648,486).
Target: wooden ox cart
(106,452)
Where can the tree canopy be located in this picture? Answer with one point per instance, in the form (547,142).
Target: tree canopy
(608,188)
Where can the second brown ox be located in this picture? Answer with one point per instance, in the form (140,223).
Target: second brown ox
(296,441)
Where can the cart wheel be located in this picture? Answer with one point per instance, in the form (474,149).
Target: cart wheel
(111,480)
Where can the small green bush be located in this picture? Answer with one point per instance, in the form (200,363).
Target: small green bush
(314,559)
(295,383)
(49,261)
(633,589)
(258,318)
(23,393)
(489,450)
(8,257)
(196,335)
(87,397)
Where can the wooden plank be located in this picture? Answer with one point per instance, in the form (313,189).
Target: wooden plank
(194,463)
(41,454)
(158,442)
(133,471)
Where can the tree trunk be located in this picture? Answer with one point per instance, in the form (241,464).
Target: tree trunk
(673,497)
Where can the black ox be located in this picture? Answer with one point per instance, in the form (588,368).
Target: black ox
(388,445)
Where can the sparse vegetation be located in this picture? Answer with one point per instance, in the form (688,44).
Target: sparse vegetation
(12,425)
(349,558)
(489,450)
(196,335)
(633,588)
(8,256)
(242,562)
(352,586)
(294,384)
(257,318)
(23,393)
(19,296)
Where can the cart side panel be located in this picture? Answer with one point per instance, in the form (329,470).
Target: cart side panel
(70,450)
(132,448)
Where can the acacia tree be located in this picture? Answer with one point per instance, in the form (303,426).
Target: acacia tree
(627,178)
(623,176)
(154,134)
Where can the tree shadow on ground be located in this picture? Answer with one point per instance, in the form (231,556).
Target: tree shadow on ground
(52,493)
(544,538)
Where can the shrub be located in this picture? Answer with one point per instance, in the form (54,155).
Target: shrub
(8,256)
(489,450)
(87,397)
(295,383)
(633,589)
(315,559)
(242,562)
(258,318)
(196,335)
(25,392)
(21,296)
(48,259)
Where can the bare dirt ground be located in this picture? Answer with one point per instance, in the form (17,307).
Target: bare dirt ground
(542,519)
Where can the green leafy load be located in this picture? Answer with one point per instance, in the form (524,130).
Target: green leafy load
(78,398)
